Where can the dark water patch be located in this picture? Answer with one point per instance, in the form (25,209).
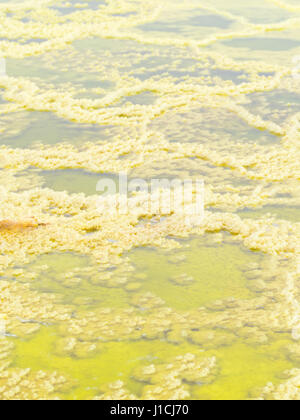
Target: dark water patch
(49,129)
(75,181)
(198,20)
(263,44)
(215,21)
(290,213)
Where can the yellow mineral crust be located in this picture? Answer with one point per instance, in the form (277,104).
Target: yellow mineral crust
(24,309)
(169,381)
(49,209)
(107,22)
(115,391)
(23,384)
(20,226)
(23,312)
(170,95)
(286,391)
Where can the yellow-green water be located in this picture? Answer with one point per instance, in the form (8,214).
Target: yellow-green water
(218,274)
(242,367)
(179,89)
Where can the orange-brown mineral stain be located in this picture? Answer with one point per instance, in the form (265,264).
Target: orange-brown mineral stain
(18,226)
